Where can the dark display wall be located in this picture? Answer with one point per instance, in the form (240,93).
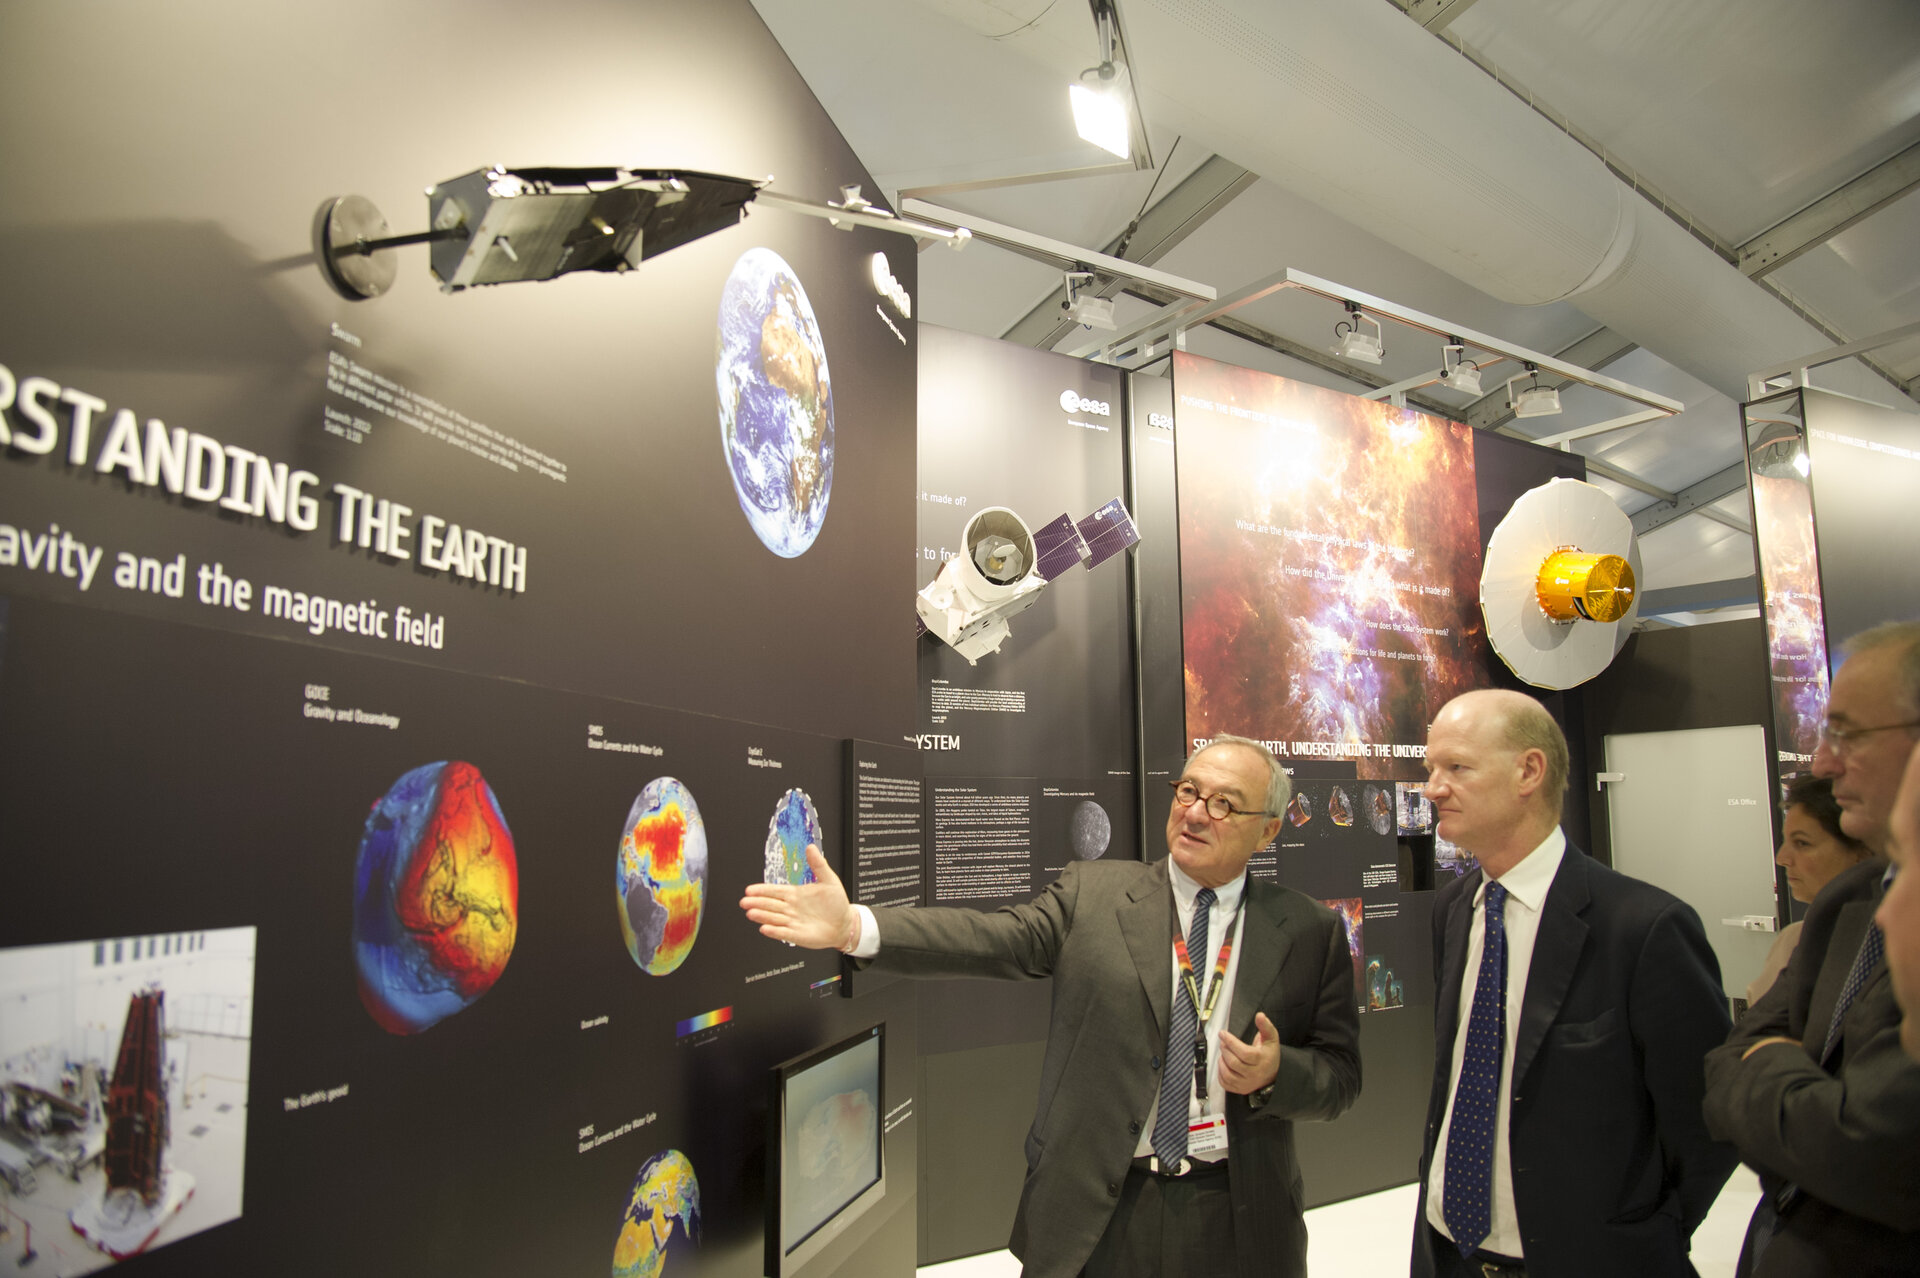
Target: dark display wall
(395,646)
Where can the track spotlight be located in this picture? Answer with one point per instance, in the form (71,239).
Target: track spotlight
(1457,372)
(1102,97)
(1355,343)
(1086,309)
(1534,401)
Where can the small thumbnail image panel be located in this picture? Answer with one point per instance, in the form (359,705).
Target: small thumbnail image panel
(1415,810)
(123,1094)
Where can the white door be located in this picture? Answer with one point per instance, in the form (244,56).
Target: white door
(1691,812)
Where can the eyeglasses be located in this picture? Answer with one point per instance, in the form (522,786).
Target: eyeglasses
(1839,740)
(1218,805)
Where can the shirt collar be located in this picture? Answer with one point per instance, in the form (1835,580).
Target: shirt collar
(1185,889)
(1529,880)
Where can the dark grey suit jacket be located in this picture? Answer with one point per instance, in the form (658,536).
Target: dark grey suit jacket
(1103,932)
(1613,1167)
(1848,1132)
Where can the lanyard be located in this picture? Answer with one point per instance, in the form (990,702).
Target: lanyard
(1204,1014)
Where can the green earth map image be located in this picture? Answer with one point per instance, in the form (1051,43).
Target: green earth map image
(665,1199)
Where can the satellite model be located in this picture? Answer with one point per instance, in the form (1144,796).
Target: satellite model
(1004,567)
(141,1192)
(1558,584)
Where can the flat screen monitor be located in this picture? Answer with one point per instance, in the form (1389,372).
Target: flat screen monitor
(824,1126)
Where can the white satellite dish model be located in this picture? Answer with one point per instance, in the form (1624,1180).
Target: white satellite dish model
(1558,586)
(1003,566)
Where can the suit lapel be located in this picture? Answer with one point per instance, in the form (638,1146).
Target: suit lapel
(1849,929)
(1456,927)
(1556,952)
(1264,945)
(1146,921)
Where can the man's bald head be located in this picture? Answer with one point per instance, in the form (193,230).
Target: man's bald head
(1519,723)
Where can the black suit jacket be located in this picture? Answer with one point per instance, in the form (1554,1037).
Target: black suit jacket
(1103,932)
(1846,1131)
(1613,1167)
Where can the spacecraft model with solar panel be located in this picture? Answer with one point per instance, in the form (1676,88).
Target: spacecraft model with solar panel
(1558,586)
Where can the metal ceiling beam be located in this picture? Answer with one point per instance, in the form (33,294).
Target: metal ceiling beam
(1057,253)
(1697,496)
(1831,214)
(1175,216)
(1434,15)
(1701,596)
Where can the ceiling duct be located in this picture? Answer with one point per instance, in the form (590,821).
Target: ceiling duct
(1357,108)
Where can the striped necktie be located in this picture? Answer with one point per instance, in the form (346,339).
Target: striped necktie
(1183,1022)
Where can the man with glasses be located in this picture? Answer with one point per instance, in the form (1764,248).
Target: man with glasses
(1812,1086)
(1196,1014)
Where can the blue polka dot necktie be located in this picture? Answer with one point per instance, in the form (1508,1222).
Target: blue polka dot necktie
(1467,1200)
(1183,1021)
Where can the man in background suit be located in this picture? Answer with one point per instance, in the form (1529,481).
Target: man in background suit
(1813,1086)
(1564,1135)
(1899,914)
(1111,1189)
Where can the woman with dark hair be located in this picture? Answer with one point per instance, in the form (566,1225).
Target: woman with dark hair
(1812,850)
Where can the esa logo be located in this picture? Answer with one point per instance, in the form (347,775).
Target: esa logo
(888,287)
(1159,421)
(1071,402)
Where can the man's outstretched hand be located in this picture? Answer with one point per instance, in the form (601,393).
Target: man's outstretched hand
(814,916)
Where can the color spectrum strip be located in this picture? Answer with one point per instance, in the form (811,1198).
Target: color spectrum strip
(706,1020)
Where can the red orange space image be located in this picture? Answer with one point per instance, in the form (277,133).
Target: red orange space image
(1329,565)
(1796,621)
(436,897)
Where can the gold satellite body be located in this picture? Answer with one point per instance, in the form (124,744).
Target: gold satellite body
(1559,585)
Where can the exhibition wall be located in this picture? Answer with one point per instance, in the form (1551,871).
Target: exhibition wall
(406,689)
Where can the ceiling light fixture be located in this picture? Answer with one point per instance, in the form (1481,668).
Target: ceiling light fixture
(1101,97)
(1457,372)
(1357,344)
(1536,400)
(1086,309)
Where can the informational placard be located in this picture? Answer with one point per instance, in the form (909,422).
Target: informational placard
(886,828)
(1029,751)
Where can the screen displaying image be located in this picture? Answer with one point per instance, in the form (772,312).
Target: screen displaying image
(829,1116)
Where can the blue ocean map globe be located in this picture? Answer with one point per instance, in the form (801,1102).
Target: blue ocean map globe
(776,402)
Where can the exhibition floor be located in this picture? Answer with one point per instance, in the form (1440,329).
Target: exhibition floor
(1352,1240)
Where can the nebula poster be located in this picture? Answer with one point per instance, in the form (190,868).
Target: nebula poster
(1790,590)
(1330,566)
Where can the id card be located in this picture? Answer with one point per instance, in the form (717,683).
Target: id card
(1207,1135)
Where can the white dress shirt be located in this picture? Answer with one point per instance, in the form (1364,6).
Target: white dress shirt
(1527,884)
(1226,903)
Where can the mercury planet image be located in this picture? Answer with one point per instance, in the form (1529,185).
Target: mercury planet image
(661,876)
(665,1197)
(794,824)
(436,897)
(776,402)
(1092,830)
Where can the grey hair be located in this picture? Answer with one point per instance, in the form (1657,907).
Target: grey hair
(1279,784)
(1904,636)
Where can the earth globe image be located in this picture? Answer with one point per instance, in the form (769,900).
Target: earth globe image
(661,876)
(795,824)
(436,897)
(663,1206)
(776,402)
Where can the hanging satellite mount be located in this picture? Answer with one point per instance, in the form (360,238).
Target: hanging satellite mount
(501,226)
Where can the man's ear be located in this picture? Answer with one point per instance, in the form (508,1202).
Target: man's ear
(1532,767)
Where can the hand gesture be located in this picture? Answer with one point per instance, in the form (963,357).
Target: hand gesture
(814,916)
(1248,1067)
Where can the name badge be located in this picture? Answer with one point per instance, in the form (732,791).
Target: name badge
(1207,1135)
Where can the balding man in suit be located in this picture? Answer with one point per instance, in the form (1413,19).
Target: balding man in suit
(1564,1135)
(1196,1015)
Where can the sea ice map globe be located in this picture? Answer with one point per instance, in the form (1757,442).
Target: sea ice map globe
(436,897)
(661,876)
(776,402)
(794,824)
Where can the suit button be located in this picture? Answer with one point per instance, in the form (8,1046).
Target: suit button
(1133,1129)
(1113,1189)
(1155,1062)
